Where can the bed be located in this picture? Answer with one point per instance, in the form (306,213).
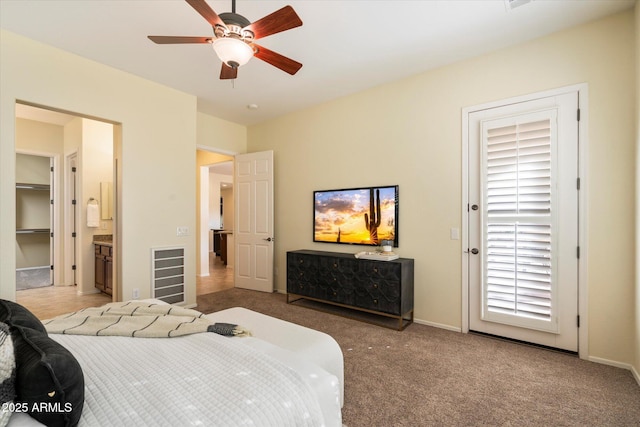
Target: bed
(282,375)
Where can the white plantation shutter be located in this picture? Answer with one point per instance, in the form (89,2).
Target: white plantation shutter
(518,194)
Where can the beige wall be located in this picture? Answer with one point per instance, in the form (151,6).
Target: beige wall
(158,151)
(95,166)
(637,193)
(35,136)
(409,133)
(220,135)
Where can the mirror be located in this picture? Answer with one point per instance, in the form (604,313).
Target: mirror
(106,200)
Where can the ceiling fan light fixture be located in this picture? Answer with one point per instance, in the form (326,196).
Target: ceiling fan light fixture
(233,52)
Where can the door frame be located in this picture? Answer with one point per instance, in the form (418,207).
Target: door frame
(55,245)
(71,247)
(583,144)
(203,225)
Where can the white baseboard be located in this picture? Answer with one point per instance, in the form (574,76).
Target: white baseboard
(438,325)
(38,267)
(609,362)
(636,375)
(88,293)
(626,366)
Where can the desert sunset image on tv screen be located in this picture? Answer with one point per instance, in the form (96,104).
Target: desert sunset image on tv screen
(362,216)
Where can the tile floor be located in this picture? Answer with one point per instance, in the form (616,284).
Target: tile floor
(52,301)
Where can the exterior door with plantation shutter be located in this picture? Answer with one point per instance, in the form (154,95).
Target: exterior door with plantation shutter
(523,221)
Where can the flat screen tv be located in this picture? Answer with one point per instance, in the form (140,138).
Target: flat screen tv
(356,216)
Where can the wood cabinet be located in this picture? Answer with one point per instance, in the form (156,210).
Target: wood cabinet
(384,288)
(104,267)
(223,247)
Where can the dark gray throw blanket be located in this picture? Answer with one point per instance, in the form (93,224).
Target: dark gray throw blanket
(138,319)
(7,373)
(226,329)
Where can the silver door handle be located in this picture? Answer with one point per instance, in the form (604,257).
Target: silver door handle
(269,239)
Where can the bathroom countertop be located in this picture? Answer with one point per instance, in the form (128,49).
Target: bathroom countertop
(103,239)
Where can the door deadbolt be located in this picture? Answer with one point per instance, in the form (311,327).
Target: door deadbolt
(475,251)
(474,207)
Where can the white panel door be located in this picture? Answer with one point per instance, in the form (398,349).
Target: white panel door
(253,229)
(523,221)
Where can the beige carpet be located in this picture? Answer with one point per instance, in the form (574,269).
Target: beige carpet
(425,376)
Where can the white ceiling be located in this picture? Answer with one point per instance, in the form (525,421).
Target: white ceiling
(345,46)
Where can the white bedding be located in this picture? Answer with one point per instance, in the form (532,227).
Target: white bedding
(308,344)
(201,379)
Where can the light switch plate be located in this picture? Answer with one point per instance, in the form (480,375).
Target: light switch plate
(182,231)
(455,234)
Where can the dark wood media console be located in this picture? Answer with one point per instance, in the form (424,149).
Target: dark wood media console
(383,288)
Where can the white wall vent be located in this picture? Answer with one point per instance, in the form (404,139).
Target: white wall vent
(167,274)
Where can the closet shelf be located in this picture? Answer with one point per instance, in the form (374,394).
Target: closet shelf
(32,230)
(25,186)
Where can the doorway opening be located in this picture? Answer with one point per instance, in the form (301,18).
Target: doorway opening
(81,150)
(215,192)
(35,219)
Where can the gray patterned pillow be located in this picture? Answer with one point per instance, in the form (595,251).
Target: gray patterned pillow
(7,373)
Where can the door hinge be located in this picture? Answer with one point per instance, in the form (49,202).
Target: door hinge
(73,234)
(51,234)
(578,252)
(73,267)
(578,183)
(51,168)
(578,320)
(73,202)
(51,201)
(578,115)
(73,169)
(52,267)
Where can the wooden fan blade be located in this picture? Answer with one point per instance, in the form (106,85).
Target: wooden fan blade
(227,72)
(280,20)
(285,64)
(206,12)
(179,39)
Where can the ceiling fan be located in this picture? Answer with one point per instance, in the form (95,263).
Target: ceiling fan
(234,36)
